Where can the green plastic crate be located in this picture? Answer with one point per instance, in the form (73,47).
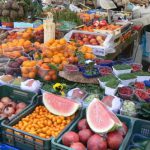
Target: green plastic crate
(57,143)
(33,142)
(17,95)
(140,127)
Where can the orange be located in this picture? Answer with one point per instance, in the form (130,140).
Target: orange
(25,75)
(54,77)
(51,41)
(52,72)
(88,56)
(47,78)
(24,70)
(56,59)
(31,75)
(45,66)
(27,44)
(46,60)
(62,41)
(26,35)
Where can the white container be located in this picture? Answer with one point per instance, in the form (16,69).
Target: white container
(119,72)
(142,78)
(110,91)
(127,82)
(102,84)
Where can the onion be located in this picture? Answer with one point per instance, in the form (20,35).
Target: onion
(12,104)
(21,105)
(2,106)
(6,100)
(3,116)
(9,110)
(18,110)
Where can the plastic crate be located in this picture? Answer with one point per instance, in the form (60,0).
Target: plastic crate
(17,95)
(57,143)
(140,127)
(24,140)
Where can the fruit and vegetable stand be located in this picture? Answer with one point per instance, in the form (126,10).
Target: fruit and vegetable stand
(68,79)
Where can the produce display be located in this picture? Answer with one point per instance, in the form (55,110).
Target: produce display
(83,100)
(43,128)
(9,108)
(87,39)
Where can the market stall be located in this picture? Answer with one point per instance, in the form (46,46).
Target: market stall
(69,80)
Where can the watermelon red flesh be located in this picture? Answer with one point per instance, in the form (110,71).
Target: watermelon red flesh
(59,105)
(98,117)
(107,100)
(114,117)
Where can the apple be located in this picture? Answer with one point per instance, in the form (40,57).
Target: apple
(85,39)
(93,40)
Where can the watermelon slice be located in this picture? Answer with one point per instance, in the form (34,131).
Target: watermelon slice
(100,119)
(59,105)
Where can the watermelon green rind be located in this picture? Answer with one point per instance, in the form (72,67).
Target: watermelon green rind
(99,129)
(59,105)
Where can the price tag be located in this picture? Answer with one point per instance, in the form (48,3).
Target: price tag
(99,51)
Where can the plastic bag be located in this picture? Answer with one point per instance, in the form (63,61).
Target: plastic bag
(31,85)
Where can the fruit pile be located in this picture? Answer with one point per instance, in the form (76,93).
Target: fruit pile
(88,39)
(142,95)
(9,108)
(105,71)
(139,85)
(42,123)
(12,10)
(84,138)
(101,25)
(29,69)
(13,67)
(136,67)
(125,92)
(46,72)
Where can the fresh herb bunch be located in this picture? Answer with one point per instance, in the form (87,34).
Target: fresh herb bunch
(144,110)
(66,15)
(127,76)
(112,83)
(107,78)
(122,67)
(142,73)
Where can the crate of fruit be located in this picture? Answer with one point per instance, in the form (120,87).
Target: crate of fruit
(81,136)
(14,101)
(140,137)
(35,128)
(100,43)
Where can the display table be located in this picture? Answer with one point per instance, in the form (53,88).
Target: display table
(127,46)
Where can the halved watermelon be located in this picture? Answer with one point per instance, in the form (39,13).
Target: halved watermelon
(100,119)
(59,105)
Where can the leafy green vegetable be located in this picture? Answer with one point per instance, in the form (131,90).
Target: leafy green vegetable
(122,67)
(142,73)
(112,83)
(127,76)
(107,78)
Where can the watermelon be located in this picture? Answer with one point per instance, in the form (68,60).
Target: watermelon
(59,105)
(100,119)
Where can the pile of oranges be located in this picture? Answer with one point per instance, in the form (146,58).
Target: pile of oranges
(59,52)
(45,71)
(29,69)
(42,123)
(88,53)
